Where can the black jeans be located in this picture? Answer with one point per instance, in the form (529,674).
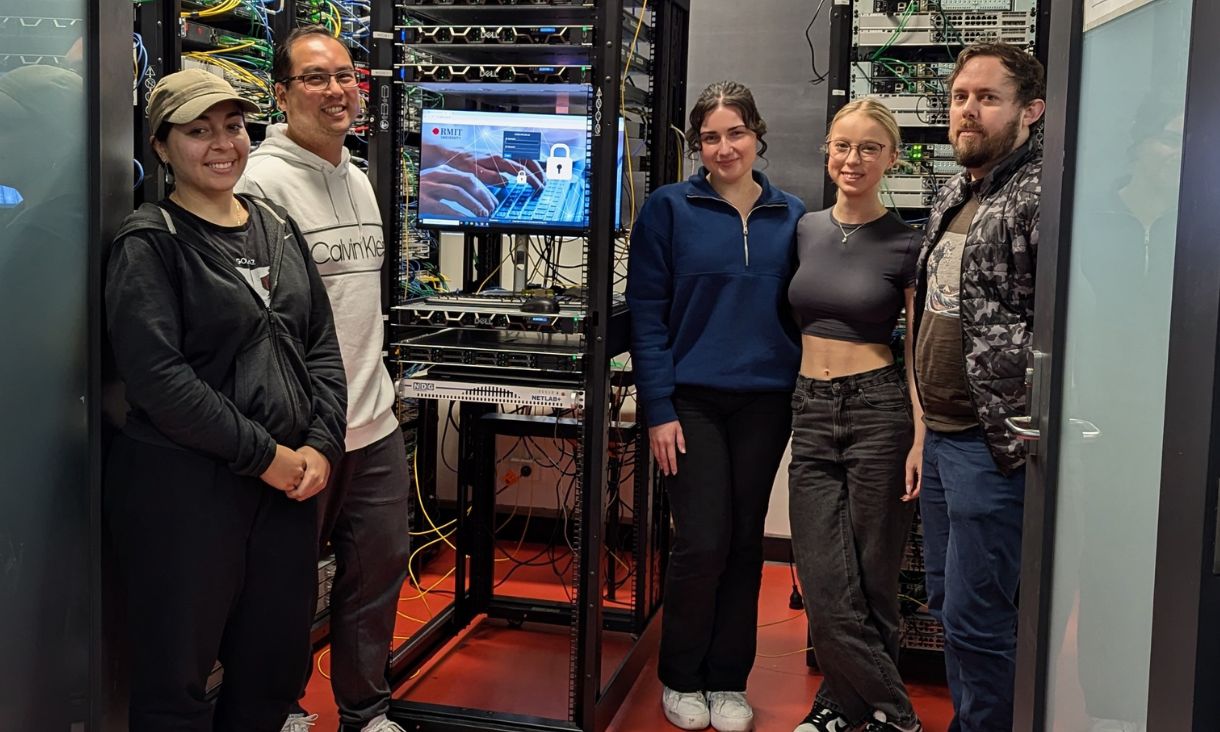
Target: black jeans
(734,443)
(364,513)
(850,441)
(217,566)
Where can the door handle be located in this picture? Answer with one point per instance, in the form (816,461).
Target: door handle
(1020,426)
(1088,430)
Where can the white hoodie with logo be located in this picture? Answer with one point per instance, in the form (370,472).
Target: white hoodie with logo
(337,213)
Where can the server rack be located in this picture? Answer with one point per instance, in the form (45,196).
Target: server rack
(588,43)
(902,52)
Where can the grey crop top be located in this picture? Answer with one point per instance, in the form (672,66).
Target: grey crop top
(852,291)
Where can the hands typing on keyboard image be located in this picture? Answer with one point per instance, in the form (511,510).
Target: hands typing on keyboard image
(467,179)
(488,168)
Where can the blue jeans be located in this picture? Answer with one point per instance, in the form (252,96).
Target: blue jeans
(972,553)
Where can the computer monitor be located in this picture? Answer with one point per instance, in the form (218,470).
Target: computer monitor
(471,178)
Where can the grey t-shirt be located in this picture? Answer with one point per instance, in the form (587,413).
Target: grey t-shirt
(940,362)
(852,290)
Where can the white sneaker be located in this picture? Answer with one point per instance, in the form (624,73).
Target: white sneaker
(299,723)
(381,724)
(685,710)
(730,712)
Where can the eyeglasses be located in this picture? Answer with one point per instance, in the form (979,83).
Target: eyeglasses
(317,81)
(840,149)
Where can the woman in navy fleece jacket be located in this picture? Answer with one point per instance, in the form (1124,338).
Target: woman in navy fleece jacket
(715,354)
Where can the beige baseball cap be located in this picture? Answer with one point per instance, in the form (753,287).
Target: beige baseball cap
(184,95)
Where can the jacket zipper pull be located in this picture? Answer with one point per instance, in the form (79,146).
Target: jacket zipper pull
(745,238)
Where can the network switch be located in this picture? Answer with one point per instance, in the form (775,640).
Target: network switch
(573,35)
(925,6)
(501,312)
(914,183)
(915,110)
(875,30)
(432,384)
(502,73)
(533,352)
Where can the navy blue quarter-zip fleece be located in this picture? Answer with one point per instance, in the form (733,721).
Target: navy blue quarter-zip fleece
(707,293)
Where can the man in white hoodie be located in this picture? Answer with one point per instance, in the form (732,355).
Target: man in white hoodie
(305,167)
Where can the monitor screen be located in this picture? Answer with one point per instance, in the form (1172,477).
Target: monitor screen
(506,170)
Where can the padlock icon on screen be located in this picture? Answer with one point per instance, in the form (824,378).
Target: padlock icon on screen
(559,167)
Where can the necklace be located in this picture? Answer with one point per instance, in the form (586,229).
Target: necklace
(847,233)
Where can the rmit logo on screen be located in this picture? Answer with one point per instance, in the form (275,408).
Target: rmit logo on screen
(446,131)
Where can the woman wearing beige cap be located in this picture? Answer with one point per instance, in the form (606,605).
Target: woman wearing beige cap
(223,335)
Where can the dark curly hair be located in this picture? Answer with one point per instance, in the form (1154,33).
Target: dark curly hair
(726,94)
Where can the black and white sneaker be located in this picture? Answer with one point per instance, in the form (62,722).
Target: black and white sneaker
(823,719)
(879,723)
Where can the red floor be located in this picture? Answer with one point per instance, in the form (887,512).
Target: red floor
(525,670)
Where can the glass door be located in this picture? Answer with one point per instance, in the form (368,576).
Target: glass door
(44,336)
(1099,469)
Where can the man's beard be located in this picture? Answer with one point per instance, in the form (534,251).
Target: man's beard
(983,149)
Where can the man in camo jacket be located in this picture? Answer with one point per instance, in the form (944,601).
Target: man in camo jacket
(974,324)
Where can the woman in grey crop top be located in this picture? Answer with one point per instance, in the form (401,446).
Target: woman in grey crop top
(857,438)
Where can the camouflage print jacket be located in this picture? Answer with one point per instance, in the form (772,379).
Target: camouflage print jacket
(997,296)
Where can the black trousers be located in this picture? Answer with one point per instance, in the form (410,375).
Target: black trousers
(734,443)
(850,440)
(365,515)
(217,566)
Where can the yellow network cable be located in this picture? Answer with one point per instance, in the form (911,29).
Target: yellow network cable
(225,6)
(419,494)
(423,594)
(234,69)
(226,49)
(401,614)
(336,19)
(781,655)
(622,94)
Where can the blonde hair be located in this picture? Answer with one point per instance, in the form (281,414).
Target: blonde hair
(877,112)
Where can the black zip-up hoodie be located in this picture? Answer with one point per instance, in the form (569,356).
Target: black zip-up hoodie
(208,367)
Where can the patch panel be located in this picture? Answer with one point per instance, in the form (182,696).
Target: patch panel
(575,35)
(192,8)
(914,183)
(199,35)
(880,30)
(898,77)
(920,631)
(426,386)
(499,73)
(923,151)
(925,6)
(915,110)
(907,200)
